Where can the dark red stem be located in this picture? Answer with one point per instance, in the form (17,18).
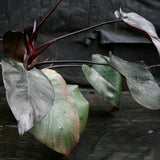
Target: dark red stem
(47,44)
(39,25)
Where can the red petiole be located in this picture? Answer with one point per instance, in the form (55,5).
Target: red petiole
(32,52)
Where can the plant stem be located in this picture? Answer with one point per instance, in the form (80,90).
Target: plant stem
(67,61)
(64,66)
(47,44)
(43,20)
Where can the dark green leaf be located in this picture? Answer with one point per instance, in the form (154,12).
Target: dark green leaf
(104,87)
(141,83)
(107,72)
(59,130)
(30,94)
(81,104)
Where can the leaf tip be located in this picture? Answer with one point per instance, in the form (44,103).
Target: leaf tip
(120,14)
(84,67)
(24,125)
(117,14)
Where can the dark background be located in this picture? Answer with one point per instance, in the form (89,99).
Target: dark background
(72,15)
(134,131)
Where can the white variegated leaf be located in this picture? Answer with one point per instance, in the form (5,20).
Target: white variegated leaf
(30,94)
(138,22)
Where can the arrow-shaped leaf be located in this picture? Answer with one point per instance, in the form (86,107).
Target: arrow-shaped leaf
(102,85)
(59,129)
(30,94)
(108,73)
(141,83)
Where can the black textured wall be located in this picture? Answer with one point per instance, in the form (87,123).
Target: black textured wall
(72,15)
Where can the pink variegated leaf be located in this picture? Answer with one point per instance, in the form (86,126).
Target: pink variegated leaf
(59,129)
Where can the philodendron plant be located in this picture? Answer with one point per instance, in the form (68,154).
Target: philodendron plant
(54,112)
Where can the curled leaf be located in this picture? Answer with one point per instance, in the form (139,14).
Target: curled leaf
(30,94)
(141,83)
(59,129)
(137,22)
(14,44)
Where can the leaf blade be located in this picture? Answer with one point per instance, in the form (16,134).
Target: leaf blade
(30,94)
(14,44)
(105,88)
(141,83)
(135,21)
(107,72)
(59,129)
(81,104)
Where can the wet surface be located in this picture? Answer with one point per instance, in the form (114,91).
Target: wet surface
(132,133)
